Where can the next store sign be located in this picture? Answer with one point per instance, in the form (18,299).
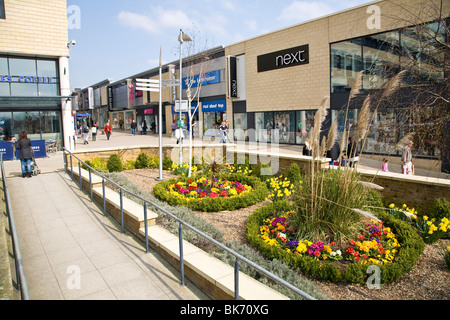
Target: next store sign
(284,58)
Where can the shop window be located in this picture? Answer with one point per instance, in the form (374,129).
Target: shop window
(284,129)
(346,62)
(305,121)
(2,9)
(240,126)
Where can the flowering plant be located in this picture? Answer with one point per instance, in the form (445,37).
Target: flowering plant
(446,255)
(279,189)
(182,170)
(376,245)
(431,230)
(202,188)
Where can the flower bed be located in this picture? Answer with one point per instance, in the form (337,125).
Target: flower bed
(232,192)
(392,245)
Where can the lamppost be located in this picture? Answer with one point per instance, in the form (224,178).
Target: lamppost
(181,38)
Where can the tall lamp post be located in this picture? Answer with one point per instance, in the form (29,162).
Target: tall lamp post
(181,38)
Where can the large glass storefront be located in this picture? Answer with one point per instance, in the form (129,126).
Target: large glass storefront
(290,127)
(380,56)
(29,98)
(39,125)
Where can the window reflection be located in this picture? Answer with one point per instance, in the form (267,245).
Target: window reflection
(346,62)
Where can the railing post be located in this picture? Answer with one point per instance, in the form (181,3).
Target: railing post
(180,235)
(146,227)
(65,161)
(79,172)
(121,210)
(90,184)
(236,279)
(71,166)
(104,197)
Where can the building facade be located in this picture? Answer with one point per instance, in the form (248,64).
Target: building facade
(277,81)
(34,71)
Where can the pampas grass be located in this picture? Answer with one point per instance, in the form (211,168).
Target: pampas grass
(404,141)
(332,133)
(364,120)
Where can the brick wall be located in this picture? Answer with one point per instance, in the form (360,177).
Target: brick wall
(35,27)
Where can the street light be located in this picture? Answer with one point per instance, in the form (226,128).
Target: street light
(181,38)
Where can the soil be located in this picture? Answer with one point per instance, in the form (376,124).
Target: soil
(428,280)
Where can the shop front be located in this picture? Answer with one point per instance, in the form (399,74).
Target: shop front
(214,112)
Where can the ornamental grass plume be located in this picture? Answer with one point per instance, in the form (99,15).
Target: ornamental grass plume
(332,134)
(363,120)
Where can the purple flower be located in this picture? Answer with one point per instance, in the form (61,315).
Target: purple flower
(293,244)
(310,252)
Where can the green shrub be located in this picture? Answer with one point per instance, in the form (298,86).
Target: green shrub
(114,164)
(154,163)
(411,247)
(98,164)
(440,209)
(142,161)
(129,165)
(167,163)
(294,174)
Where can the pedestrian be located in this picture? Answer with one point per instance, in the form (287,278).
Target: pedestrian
(78,128)
(153,127)
(223,132)
(133,127)
(144,127)
(174,128)
(85,133)
(227,131)
(407,164)
(26,154)
(108,130)
(94,131)
(179,135)
(384,166)
(350,148)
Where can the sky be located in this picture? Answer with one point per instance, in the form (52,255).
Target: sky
(120,38)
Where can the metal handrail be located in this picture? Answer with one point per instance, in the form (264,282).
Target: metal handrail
(20,272)
(183,223)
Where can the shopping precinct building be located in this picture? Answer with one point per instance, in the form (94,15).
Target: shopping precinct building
(272,85)
(34,71)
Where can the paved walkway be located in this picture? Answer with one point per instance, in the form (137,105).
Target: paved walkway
(70,251)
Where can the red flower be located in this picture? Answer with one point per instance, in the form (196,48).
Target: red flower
(357,258)
(224,194)
(360,237)
(352,242)
(332,244)
(317,254)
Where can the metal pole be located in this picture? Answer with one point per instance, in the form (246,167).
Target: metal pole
(104,198)
(71,166)
(121,210)
(181,96)
(146,227)
(160,178)
(79,172)
(90,184)
(236,279)
(180,237)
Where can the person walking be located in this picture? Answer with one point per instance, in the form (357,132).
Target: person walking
(94,131)
(133,127)
(385,165)
(26,154)
(108,130)
(227,131)
(85,133)
(407,164)
(223,132)
(144,127)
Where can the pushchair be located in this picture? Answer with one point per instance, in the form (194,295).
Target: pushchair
(34,167)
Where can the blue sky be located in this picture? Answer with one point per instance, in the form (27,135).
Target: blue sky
(120,38)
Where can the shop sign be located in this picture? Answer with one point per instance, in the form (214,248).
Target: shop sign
(25,79)
(148,111)
(214,106)
(205,79)
(284,58)
(232,67)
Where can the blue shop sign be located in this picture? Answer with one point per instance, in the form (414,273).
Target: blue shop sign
(25,79)
(6,149)
(206,79)
(214,106)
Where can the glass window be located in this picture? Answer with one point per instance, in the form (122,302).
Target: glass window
(4,67)
(47,68)
(346,62)
(262,134)
(2,9)
(285,126)
(4,89)
(212,122)
(380,53)
(240,126)
(24,89)
(28,122)
(305,121)
(22,67)
(48,90)
(51,125)
(5,125)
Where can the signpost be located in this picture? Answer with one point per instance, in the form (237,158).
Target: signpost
(157,86)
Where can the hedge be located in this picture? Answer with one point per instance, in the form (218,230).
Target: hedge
(258,194)
(411,248)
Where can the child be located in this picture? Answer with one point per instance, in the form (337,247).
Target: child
(384,166)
